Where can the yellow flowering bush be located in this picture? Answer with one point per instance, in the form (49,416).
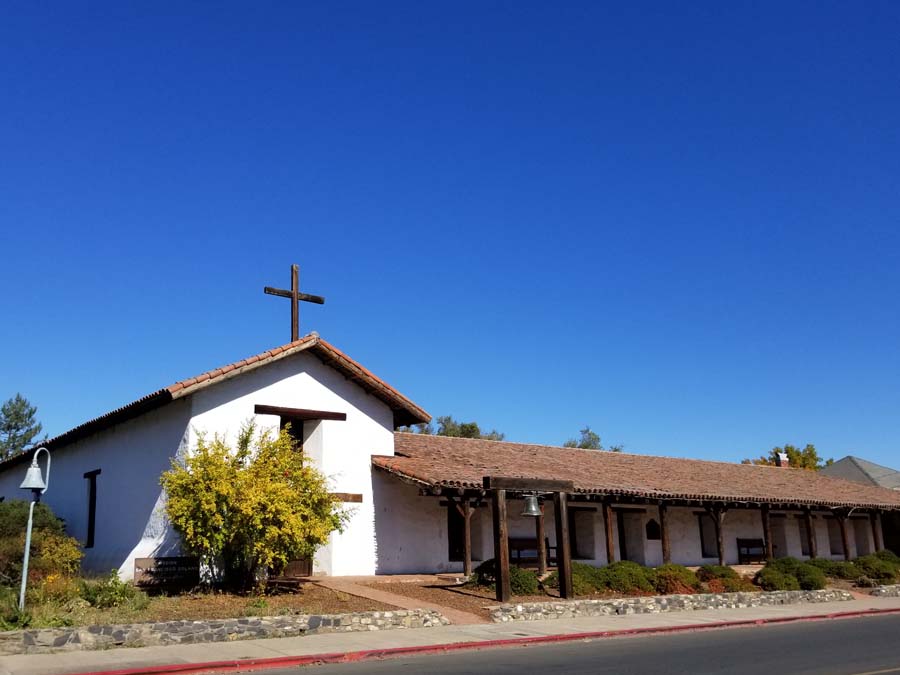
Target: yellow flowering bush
(247,511)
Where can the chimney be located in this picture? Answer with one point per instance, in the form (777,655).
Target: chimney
(781,459)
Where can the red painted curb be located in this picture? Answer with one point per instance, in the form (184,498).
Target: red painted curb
(395,652)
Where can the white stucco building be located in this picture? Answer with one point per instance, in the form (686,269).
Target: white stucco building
(404,489)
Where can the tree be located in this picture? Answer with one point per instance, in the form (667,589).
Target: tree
(18,425)
(589,440)
(807,458)
(249,511)
(447,426)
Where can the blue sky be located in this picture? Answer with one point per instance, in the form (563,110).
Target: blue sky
(674,222)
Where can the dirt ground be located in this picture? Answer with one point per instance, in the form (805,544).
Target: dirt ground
(312,599)
(463,598)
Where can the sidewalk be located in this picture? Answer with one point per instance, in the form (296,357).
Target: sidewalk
(145,657)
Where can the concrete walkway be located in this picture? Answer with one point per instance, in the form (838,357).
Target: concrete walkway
(344,585)
(144,657)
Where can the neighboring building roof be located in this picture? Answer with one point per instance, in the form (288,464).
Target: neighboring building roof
(439,461)
(405,411)
(864,471)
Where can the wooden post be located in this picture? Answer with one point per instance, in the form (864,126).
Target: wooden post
(295,303)
(541,543)
(845,541)
(810,534)
(501,546)
(718,515)
(467,537)
(767,532)
(664,534)
(564,552)
(608,528)
(876,533)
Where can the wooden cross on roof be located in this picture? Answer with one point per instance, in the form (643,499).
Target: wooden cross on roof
(296,298)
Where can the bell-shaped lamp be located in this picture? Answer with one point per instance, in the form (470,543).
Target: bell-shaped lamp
(531,506)
(34,479)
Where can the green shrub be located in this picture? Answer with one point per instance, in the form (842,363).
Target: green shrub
(737,584)
(787,566)
(52,552)
(710,572)
(838,569)
(876,568)
(772,579)
(888,557)
(674,579)
(521,581)
(810,578)
(627,577)
(14,518)
(584,579)
(110,591)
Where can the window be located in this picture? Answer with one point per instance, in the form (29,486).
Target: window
(295,430)
(653,532)
(835,542)
(91,477)
(709,547)
(456,534)
(804,537)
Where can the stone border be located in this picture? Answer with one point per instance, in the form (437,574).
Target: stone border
(567,609)
(47,640)
(892,591)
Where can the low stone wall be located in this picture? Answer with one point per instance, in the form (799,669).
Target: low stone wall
(887,591)
(189,632)
(567,609)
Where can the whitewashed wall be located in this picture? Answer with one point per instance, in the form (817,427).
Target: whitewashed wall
(130,520)
(412,532)
(343,450)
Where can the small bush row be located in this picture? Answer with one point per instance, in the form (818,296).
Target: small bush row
(786,574)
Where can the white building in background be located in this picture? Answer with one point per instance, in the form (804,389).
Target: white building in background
(403,488)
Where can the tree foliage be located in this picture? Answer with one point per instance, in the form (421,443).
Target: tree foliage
(448,426)
(805,458)
(250,510)
(590,440)
(18,426)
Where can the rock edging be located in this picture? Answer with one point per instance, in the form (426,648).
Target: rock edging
(892,591)
(567,609)
(46,640)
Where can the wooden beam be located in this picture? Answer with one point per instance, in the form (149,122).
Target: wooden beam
(876,532)
(541,536)
(845,540)
(608,529)
(347,497)
(501,546)
(467,537)
(664,534)
(767,532)
(810,534)
(303,297)
(718,515)
(563,545)
(299,413)
(526,484)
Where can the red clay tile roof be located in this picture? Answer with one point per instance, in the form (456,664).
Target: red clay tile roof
(438,461)
(405,411)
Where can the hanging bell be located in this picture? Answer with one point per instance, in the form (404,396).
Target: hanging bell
(531,506)
(34,480)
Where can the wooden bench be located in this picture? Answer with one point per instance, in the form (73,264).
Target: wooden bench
(519,545)
(751,551)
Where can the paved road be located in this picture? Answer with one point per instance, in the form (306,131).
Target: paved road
(859,646)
